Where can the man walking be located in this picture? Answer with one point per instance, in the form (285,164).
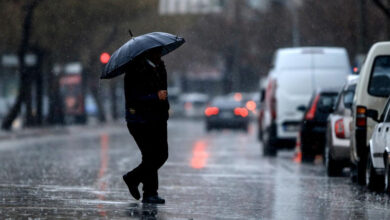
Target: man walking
(147,106)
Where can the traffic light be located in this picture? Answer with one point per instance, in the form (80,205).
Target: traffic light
(104,58)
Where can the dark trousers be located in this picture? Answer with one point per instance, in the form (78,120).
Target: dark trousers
(151,139)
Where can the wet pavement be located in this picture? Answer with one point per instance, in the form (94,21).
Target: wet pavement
(217,175)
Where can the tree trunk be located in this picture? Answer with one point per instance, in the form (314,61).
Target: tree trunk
(98,100)
(39,87)
(24,83)
(56,110)
(27,90)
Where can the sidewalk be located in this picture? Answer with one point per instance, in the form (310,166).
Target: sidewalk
(33,132)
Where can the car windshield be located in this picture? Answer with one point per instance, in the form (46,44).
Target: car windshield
(380,77)
(327,100)
(225,103)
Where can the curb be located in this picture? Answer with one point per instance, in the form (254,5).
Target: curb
(33,132)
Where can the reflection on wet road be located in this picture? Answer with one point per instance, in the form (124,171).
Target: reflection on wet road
(199,155)
(217,175)
(103,167)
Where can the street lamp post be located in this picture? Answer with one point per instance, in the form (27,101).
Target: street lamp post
(362,26)
(293,6)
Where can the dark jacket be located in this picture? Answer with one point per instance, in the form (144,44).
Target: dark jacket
(142,83)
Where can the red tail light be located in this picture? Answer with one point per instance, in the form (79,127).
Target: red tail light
(339,128)
(241,112)
(209,111)
(361,119)
(312,111)
(251,105)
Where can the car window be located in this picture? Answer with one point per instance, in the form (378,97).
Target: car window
(337,105)
(348,97)
(225,102)
(327,101)
(380,77)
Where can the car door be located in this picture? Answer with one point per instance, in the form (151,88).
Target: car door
(386,125)
(379,139)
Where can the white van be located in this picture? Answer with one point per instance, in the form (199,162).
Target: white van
(372,91)
(296,74)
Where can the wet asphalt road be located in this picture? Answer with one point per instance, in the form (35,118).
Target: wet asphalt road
(217,175)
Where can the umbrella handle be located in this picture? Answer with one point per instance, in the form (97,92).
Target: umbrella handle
(131,33)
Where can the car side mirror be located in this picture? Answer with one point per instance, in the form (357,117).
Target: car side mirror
(301,108)
(373,114)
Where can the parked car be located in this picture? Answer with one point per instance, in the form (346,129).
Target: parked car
(296,74)
(375,169)
(371,93)
(337,144)
(192,105)
(225,112)
(313,127)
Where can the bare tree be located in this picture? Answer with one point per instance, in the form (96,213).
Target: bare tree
(25,82)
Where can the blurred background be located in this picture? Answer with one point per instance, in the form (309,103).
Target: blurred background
(52,52)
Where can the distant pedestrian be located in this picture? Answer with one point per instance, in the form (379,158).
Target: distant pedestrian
(145,85)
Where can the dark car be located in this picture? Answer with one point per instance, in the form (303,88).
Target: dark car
(225,112)
(313,126)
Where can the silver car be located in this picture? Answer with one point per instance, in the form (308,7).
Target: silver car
(337,146)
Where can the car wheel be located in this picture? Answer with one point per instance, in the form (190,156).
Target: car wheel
(332,168)
(260,134)
(353,173)
(361,169)
(245,128)
(208,127)
(374,181)
(307,154)
(387,175)
(269,148)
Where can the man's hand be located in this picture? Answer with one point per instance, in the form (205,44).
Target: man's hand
(162,94)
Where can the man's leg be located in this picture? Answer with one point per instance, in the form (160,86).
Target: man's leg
(134,177)
(159,157)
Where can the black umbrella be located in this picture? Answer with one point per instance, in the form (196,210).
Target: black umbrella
(136,46)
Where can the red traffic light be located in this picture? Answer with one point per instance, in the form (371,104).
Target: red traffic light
(104,58)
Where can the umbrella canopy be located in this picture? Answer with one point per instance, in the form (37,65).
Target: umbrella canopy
(136,46)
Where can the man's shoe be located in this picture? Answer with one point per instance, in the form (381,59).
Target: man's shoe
(153,200)
(133,187)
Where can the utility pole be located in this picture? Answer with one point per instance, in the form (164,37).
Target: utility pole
(236,78)
(388,21)
(293,6)
(362,26)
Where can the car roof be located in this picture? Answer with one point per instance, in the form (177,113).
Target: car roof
(328,90)
(352,79)
(314,50)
